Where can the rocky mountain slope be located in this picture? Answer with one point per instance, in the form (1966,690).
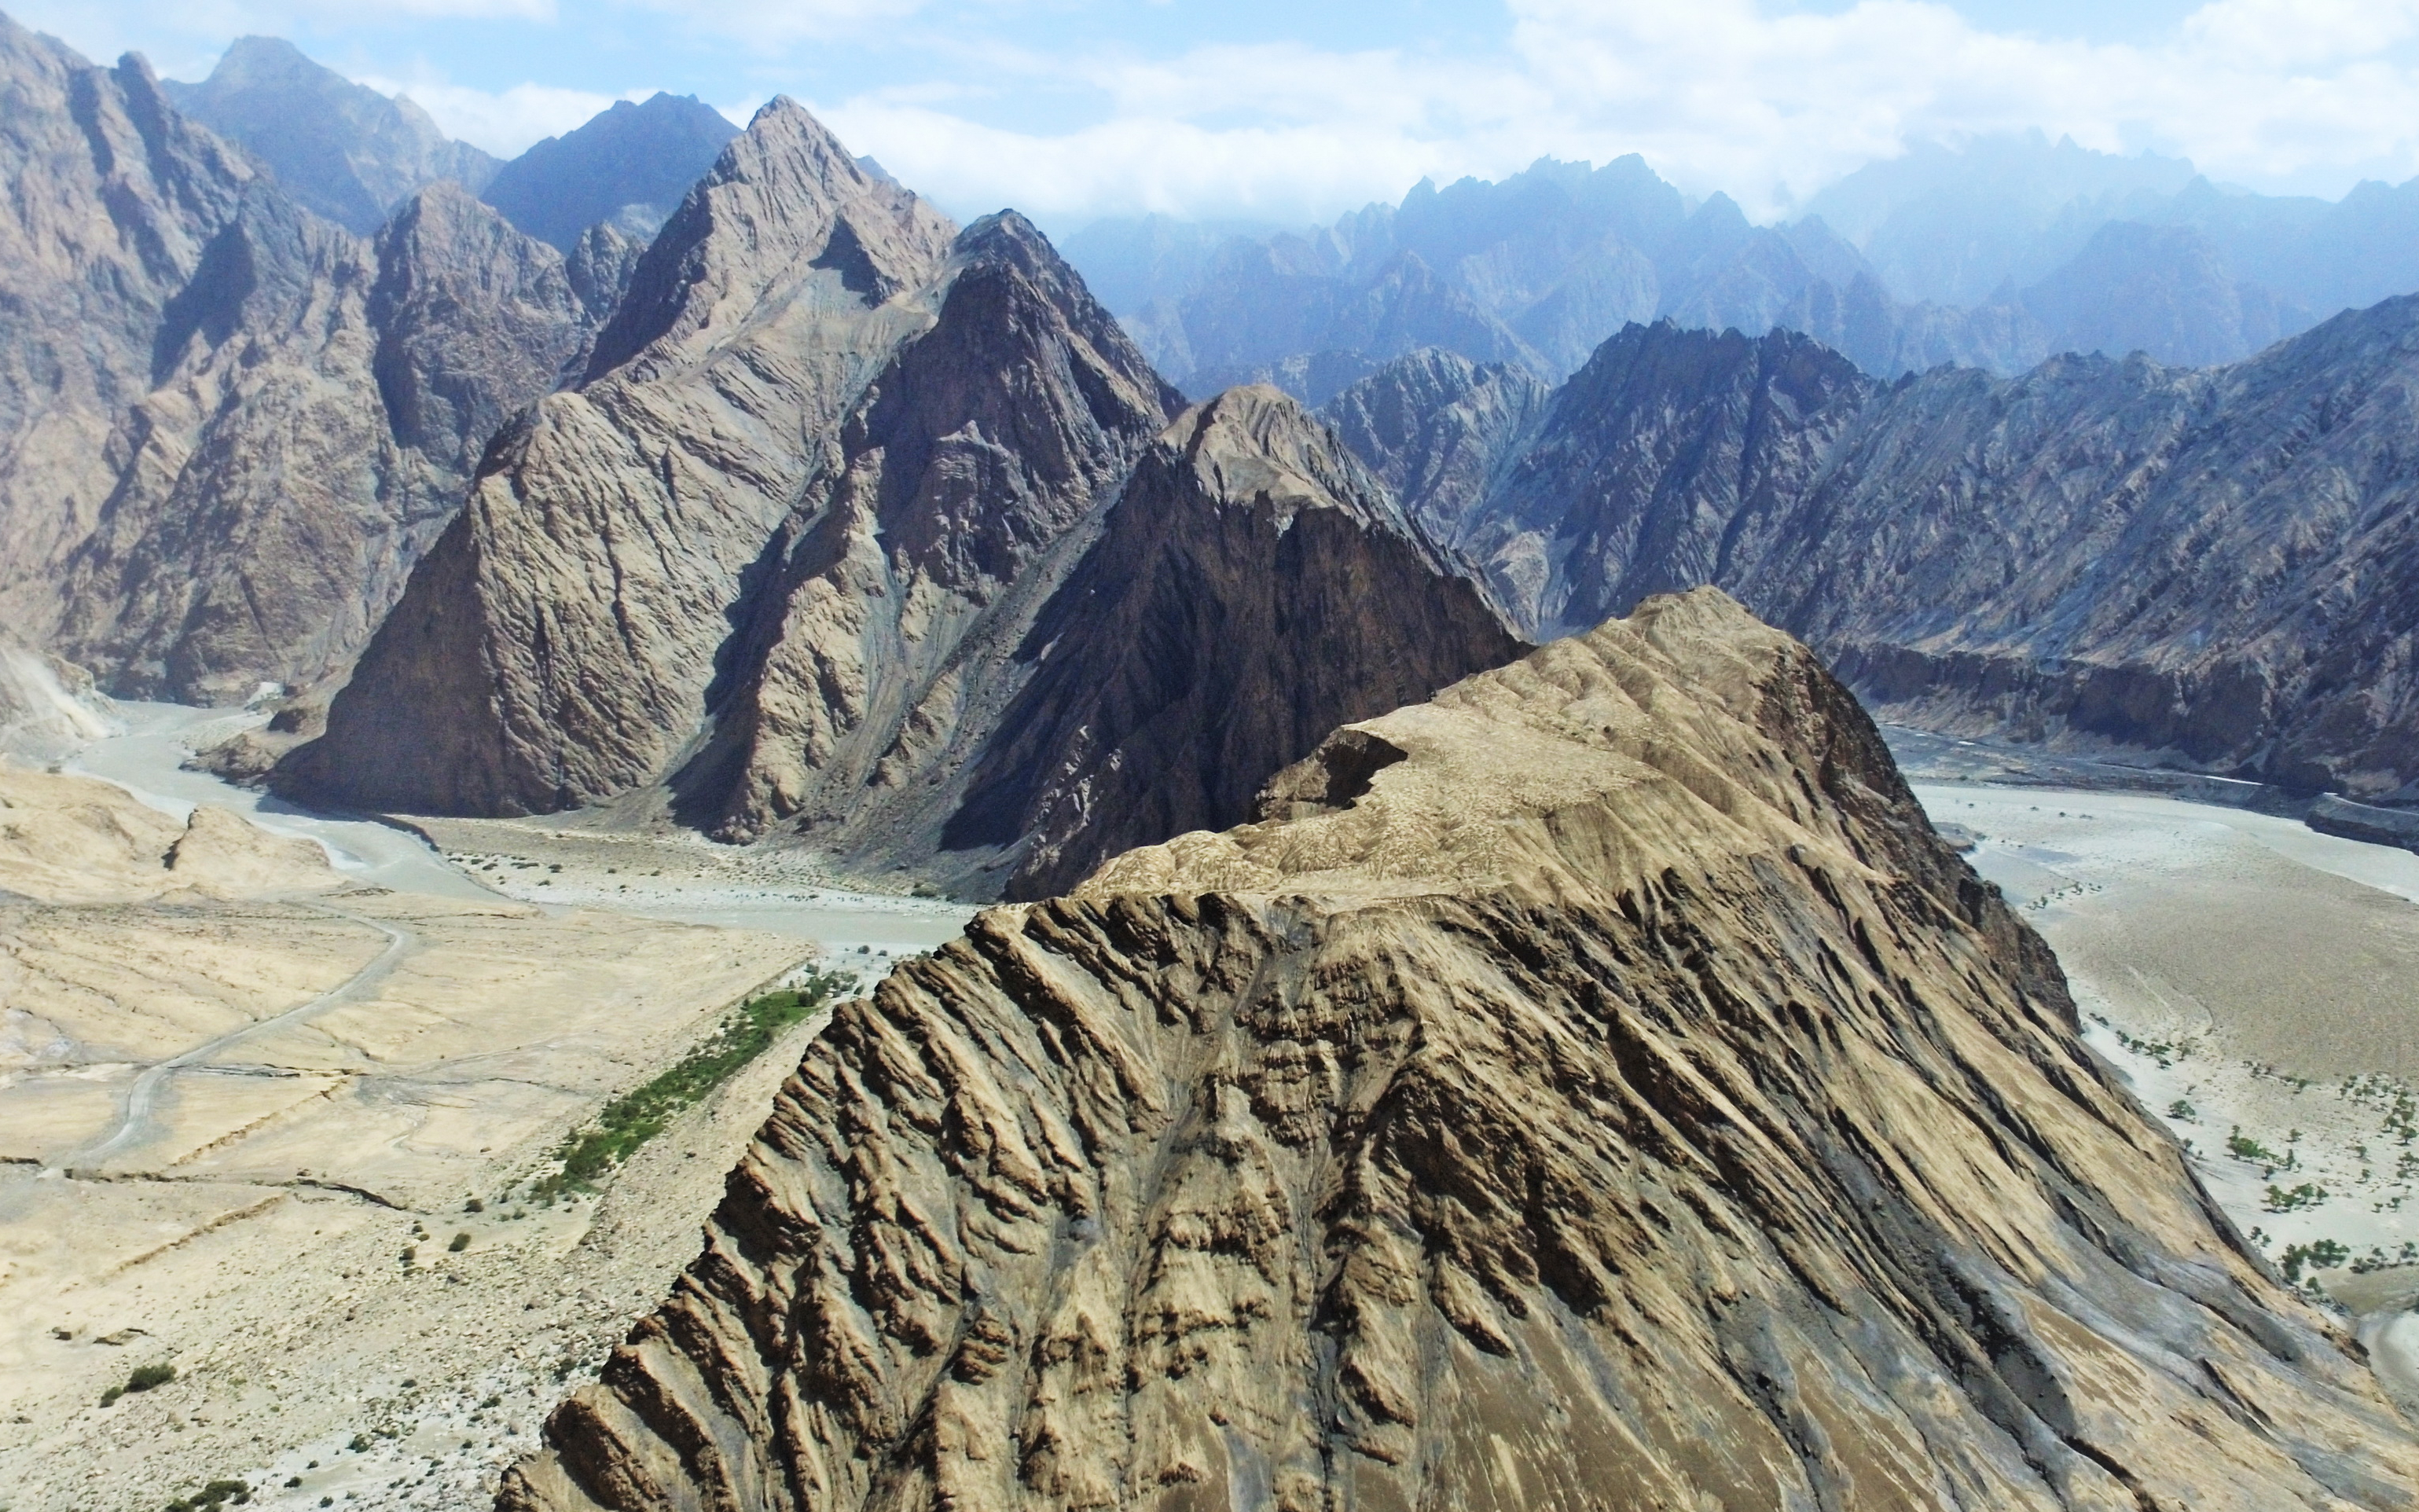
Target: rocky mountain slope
(339,149)
(227,426)
(1253,588)
(985,620)
(557,644)
(873,667)
(629,165)
(2213,563)
(1439,430)
(1598,1076)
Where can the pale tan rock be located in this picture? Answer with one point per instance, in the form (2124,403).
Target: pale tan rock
(1600,1088)
(557,644)
(72,840)
(228,427)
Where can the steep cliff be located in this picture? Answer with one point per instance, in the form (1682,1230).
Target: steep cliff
(1597,1085)
(1439,430)
(873,666)
(557,644)
(2216,564)
(1253,588)
(227,427)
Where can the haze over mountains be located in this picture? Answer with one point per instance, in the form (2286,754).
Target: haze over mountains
(1997,256)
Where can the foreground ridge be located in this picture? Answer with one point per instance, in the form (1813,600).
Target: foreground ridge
(1594,1087)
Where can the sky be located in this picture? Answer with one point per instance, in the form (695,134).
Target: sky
(1297,110)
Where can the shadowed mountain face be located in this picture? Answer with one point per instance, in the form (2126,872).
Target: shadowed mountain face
(2214,563)
(1598,1076)
(229,427)
(985,620)
(630,165)
(1252,586)
(339,149)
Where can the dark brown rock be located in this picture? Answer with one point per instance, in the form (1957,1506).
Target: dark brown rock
(1253,587)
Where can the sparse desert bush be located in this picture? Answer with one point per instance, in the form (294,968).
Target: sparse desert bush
(144,1377)
(2308,1195)
(458,1243)
(2242,1147)
(2319,1254)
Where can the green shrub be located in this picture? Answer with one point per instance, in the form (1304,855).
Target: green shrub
(630,1120)
(145,1378)
(459,1244)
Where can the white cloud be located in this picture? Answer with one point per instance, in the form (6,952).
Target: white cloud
(775,21)
(1768,104)
(506,122)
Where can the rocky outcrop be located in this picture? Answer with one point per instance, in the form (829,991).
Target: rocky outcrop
(339,149)
(228,427)
(2211,564)
(1439,430)
(1596,1081)
(1253,588)
(1669,460)
(874,664)
(629,166)
(557,644)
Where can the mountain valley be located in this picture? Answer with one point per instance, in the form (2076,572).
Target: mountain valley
(1226,866)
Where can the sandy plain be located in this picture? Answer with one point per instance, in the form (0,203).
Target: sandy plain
(255,1068)
(2258,985)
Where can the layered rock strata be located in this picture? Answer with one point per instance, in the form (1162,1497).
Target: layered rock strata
(557,644)
(2211,564)
(873,666)
(1254,587)
(1596,1086)
(978,616)
(228,427)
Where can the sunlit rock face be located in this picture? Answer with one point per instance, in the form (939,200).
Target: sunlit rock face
(1595,1086)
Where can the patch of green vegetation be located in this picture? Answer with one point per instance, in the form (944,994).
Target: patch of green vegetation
(630,1120)
(2242,1147)
(2308,1195)
(458,1243)
(2318,1254)
(2181,1109)
(143,1378)
(216,1494)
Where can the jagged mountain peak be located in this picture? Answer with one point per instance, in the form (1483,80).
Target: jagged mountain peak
(630,165)
(1256,444)
(342,149)
(1252,586)
(784,199)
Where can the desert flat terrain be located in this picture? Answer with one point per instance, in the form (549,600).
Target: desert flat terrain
(239,1086)
(2257,983)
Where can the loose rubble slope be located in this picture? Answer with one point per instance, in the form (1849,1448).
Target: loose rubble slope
(1595,1086)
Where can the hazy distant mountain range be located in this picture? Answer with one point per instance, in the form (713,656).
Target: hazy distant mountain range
(1997,256)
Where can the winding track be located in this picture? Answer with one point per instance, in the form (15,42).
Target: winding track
(136,1124)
